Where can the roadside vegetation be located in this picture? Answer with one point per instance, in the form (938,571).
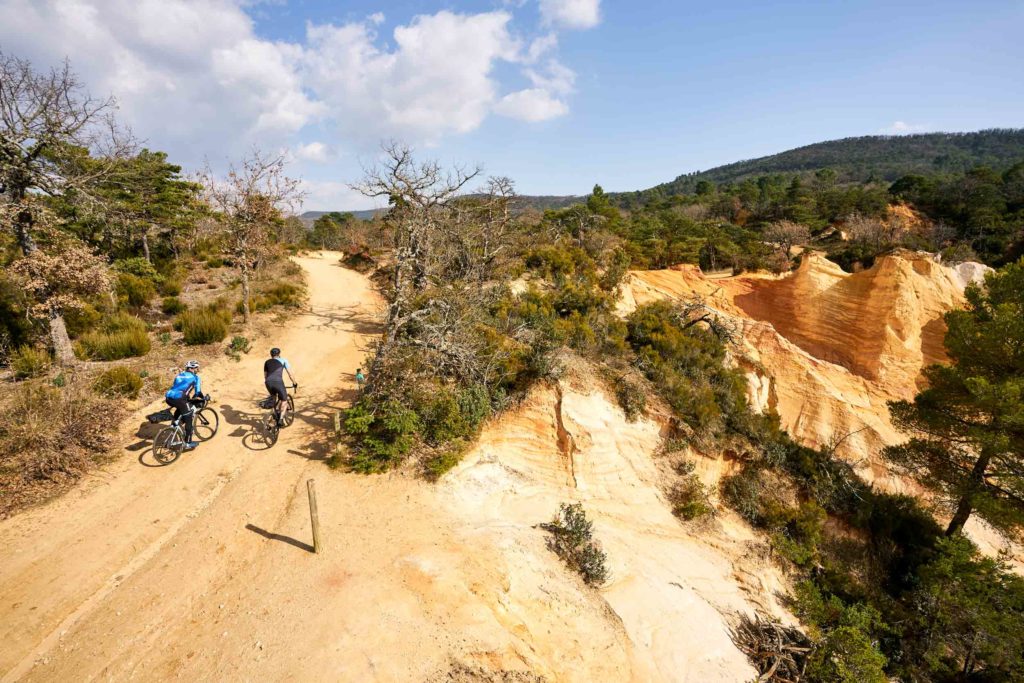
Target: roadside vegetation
(116,269)
(486,300)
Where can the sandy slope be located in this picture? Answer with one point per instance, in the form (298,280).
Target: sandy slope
(201,570)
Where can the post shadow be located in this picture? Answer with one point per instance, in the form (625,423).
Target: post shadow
(279,537)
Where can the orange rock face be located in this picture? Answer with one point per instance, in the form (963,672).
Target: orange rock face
(824,348)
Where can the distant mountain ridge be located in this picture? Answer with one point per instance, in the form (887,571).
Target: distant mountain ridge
(859,159)
(856,159)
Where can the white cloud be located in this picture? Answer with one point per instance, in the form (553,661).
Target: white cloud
(192,77)
(331,195)
(532,105)
(189,75)
(540,46)
(555,77)
(577,14)
(903,128)
(438,79)
(316,152)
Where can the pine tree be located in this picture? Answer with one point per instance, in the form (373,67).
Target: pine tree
(968,425)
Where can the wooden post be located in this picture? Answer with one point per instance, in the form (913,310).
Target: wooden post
(314,518)
(337,423)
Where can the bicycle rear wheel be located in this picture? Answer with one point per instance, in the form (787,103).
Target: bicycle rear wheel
(168,445)
(205,424)
(270,429)
(289,417)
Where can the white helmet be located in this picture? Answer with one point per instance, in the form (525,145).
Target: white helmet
(192,365)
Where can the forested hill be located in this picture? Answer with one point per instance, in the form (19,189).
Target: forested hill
(854,160)
(881,157)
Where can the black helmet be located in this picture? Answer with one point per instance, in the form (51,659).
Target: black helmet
(275,351)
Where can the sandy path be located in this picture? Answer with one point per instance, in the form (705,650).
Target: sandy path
(85,554)
(201,570)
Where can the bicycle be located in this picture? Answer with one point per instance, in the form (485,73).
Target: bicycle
(271,428)
(169,443)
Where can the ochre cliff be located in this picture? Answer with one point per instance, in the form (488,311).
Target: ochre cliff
(674,589)
(824,348)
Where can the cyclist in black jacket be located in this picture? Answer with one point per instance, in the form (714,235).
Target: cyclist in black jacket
(273,377)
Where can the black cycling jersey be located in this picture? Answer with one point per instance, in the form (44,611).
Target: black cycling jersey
(273,370)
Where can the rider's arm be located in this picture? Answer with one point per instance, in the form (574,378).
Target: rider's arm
(199,388)
(290,376)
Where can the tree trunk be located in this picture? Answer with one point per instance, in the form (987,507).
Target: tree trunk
(23,229)
(974,486)
(62,348)
(145,245)
(245,296)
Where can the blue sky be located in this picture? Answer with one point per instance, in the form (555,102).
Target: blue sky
(557,94)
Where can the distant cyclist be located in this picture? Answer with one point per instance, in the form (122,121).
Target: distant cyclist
(186,387)
(273,377)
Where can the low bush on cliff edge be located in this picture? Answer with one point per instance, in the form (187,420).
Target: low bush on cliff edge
(572,539)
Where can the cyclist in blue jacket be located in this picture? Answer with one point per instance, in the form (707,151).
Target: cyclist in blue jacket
(185,388)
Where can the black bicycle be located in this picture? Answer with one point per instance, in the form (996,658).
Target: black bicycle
(170,441)
(270,424)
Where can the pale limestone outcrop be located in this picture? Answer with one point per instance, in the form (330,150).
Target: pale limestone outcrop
(672,591)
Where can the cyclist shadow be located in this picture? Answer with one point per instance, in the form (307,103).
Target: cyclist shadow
(248,426)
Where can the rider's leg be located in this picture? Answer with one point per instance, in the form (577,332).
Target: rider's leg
(184,411)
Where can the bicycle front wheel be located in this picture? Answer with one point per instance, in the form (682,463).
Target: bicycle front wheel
(168,445)
(205,424)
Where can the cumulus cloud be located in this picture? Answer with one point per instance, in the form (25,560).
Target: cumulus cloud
(316,152)
(438,79)
(577,14)
(532,105)
(903,128)
(194,77)
(188,74)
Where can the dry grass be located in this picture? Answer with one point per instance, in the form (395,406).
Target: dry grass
(50,436)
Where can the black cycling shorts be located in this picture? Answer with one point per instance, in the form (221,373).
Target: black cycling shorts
(277,389)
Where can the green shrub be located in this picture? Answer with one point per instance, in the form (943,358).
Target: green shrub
(689,498)
(126,343)
(686,364)
(384,435)
(119,382)
(204,325)
(28,361)
(282,294)
(81,319)
(572,539)
(448,457)
(237,347)
(631,397)
(215,262)
(172,305)
(171,287)
(135,290)
(139,267)
(164,337)
(60,381)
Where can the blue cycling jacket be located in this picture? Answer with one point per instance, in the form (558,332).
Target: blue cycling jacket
(182,383)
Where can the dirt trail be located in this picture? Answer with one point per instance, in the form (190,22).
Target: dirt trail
(201,570)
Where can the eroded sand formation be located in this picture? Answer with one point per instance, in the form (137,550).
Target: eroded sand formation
(827,349)
(200,571)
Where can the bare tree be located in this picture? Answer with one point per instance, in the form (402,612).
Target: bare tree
(249,203)
(47,121)
(422,197)
(48,127)
(879,234)
(787,234)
